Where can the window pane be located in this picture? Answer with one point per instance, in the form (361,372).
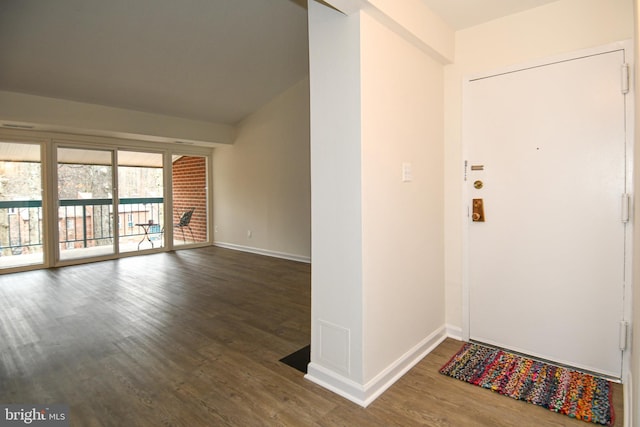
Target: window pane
(21,238)
(141,202)
(85,220)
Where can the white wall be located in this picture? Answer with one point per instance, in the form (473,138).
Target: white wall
(91,119)
(336,276)
(261,183)
(402,222)
(558,27)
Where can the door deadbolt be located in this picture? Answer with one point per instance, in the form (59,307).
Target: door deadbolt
(477,213)
(478,185)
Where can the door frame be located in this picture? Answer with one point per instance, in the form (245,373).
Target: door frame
(627,47)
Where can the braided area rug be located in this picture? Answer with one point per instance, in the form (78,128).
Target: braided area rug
(558,389)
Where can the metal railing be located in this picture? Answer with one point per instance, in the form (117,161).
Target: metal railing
(81,222)
(20,226)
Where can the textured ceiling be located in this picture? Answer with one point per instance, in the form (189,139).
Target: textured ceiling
(460,14)
(213,60)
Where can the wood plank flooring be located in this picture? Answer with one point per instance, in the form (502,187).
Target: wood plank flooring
(193,338)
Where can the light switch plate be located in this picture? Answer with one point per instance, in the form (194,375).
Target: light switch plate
(407,173)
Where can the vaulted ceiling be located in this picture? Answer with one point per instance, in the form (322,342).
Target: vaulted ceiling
(210,60)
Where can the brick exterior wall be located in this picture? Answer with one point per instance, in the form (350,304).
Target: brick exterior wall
(189,190)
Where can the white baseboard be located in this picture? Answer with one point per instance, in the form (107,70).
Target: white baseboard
(266,252)
(454,332)
(336,383)
(364,395)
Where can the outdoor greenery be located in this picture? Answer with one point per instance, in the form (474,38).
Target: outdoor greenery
(20,181)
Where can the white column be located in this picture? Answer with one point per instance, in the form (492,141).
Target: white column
(376,97)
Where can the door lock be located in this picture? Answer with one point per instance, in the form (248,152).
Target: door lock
(477,212)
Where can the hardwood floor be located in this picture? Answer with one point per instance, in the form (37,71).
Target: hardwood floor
(193,338)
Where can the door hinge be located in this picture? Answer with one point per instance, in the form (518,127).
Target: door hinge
(626,206)
(624,330)
(625,78)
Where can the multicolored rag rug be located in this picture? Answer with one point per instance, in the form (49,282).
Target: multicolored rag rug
(562,390)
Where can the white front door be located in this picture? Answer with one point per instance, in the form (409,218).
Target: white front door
(546,156)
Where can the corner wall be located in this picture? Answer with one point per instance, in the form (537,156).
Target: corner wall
(261,183)
(377,196)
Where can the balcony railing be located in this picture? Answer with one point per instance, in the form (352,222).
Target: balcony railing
(20,226)
(82,223)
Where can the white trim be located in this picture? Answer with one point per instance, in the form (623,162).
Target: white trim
(364,395)
(454,332)
(630,250)
(627,392)
(338,384)
(625,45)
(260,251)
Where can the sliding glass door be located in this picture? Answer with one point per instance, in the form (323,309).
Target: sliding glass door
(21,221)
(85,203)
(140,201)
(71,200)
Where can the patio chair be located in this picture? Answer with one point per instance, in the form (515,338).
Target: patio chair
(185,219)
